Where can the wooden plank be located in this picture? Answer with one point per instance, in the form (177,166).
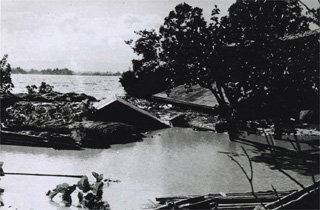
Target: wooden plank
(55,175)
(190,200)
(229,200)
(242,206)
(259,193)
(163,200)
(205,204)
(239,204)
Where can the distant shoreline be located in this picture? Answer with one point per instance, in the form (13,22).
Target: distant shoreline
(67,74)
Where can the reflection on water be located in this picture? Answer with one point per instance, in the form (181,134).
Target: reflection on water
(169,162)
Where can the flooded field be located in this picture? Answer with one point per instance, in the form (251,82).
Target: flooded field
(169,162)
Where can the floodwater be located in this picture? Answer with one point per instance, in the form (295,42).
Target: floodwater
(97,86)
(169,162)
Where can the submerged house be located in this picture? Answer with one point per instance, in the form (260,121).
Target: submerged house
(119,110)
(198,97)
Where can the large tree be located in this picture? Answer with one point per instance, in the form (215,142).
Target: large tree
(184,43)
(188,51)
(240,58)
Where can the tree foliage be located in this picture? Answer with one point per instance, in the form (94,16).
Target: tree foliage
(184,45)
(147,76)
(5,83)
(265,66)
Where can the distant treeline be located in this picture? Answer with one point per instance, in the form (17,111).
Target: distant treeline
(56,71)
(100,73)
(63,71)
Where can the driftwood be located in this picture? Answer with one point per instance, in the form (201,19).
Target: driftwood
(218,201)
(297,199)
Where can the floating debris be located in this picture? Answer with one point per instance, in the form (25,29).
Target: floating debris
(89,195)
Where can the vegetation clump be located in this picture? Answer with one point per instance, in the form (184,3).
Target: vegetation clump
(5,73)
(147,76)
(89,195)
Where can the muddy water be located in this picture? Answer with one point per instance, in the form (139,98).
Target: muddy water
(97,86)
(169,162)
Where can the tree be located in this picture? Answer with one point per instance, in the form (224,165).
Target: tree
(262,62)
(184,45)
(241,59)
(188,52)
(147,76)
(5,83)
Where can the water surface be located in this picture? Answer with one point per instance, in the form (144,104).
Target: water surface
(97,86)
(169,162)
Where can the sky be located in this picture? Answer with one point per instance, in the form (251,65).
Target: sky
(84,35)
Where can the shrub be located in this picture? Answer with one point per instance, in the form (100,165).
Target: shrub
(143,86)
(5,70)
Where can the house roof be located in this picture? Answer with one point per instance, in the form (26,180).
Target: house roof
(300,35)
(119,110)
(199,97)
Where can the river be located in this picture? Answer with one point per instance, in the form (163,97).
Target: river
(169,162)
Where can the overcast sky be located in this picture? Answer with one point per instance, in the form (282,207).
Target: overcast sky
(83,35)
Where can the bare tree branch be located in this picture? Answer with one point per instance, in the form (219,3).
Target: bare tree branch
(277,165)
(250,179)
(275,191)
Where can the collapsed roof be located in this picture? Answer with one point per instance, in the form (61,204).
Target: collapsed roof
(119,110)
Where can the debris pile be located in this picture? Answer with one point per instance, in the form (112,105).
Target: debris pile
(59,120)
(198,120)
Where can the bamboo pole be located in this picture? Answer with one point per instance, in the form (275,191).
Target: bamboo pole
(56,175)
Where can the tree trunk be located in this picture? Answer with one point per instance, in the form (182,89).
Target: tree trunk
(278,128)
(229,113)
(232,126)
